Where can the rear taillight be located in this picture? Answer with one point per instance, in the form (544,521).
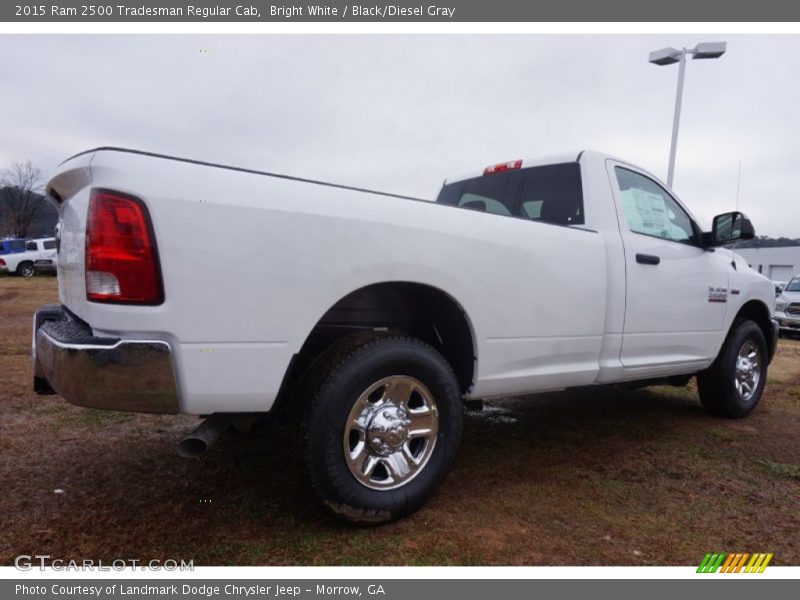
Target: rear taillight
(121,255)
(2,263)
(506,166)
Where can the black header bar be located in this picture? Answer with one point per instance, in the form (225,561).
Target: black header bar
(400,11)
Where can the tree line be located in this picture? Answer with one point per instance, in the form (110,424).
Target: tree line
(764,241)
(24,210)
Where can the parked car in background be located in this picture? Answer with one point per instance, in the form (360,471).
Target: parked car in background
(779,285)
(24,263)
(787,307)
(12,246)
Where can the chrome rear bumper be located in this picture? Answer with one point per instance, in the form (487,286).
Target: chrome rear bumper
(109,373)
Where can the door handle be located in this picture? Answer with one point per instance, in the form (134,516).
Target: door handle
(647,259)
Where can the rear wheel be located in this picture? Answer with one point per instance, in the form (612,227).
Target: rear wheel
(26,269)
(382,428)
(732,386)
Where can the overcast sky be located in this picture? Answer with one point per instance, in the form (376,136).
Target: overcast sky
(399,113)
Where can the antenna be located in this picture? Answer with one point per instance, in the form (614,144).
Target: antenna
(738,183)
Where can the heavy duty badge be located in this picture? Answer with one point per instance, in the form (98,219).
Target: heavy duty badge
(717,294)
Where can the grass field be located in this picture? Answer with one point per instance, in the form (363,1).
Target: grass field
(604,477)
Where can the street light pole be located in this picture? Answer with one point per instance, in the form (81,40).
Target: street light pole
(668,56)
(676,119)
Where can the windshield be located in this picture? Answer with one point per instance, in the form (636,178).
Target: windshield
(793,285)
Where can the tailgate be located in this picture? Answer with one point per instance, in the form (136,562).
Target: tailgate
(69,189)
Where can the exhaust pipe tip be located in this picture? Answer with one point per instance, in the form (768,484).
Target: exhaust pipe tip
(192,447)
(203,437)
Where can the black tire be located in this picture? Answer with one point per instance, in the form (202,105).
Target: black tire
(717,385)
(26,269)
(340,380)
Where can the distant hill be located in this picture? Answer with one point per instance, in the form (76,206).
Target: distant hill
(44,223)
(764,241)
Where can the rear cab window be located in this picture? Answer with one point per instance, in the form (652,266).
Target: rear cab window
(550,194)
(496,194)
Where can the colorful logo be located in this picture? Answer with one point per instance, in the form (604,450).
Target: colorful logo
(735,562)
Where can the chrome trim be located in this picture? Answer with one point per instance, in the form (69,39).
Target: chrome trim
(786,321)
(748,370)
(130,375)
(390,432)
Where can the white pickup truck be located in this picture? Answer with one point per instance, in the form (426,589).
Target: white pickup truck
(371,317)
(787,307)
(24,263)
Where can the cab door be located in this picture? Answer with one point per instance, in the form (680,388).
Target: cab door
(676,291)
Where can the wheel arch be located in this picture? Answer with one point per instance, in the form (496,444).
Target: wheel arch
(415,309)
(757,311)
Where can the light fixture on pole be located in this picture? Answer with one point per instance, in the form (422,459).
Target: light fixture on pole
(668,56)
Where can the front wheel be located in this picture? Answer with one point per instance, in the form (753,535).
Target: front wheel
(732,386)
(382,429)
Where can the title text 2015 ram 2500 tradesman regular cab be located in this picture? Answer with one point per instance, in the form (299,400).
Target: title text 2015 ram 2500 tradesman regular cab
(372,317)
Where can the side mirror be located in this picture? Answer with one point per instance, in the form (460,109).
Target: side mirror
(728,228)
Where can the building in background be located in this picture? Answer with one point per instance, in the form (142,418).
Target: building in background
(779,263)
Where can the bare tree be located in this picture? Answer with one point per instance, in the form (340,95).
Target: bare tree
(6,220)
(21,198)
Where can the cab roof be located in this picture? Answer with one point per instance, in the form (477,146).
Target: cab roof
(552,159)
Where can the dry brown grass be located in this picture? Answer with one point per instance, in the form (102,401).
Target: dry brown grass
(590,478)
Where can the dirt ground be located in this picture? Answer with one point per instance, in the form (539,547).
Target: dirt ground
(605,477)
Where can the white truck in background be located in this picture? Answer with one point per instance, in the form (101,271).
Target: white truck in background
(24,263)
(787,307)
(372,317)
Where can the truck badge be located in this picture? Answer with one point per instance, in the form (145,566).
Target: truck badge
(717,294)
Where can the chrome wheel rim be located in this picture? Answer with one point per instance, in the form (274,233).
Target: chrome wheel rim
(748,370)
(27,271)
(391,432)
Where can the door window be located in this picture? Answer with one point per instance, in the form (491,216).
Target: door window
(650,210)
